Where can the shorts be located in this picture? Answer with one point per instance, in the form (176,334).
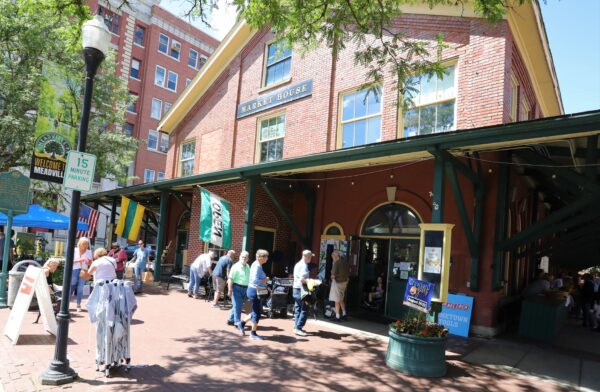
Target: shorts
(338,291)
(218,284)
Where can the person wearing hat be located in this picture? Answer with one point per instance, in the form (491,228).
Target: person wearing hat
(120,256)
(301,274)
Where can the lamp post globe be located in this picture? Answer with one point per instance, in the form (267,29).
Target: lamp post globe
(96,42)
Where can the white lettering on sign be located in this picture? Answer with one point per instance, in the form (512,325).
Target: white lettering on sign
(79,174)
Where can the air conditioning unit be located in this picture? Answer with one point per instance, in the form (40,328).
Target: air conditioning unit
(175,45)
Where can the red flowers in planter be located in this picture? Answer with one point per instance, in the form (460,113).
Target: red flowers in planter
(422,328)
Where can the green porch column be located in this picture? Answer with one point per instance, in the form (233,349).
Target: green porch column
(249,214)
(501,217)
(113,217)
(439,186)
(160,238)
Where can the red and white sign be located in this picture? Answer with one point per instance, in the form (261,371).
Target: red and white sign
(34,281)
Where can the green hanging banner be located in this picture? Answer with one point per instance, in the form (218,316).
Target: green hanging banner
(215,223)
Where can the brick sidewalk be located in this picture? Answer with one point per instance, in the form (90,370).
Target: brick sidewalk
(181,344)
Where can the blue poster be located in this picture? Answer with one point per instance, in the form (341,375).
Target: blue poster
(456,314)
(418,294)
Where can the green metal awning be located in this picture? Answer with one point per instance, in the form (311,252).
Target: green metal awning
(495,137)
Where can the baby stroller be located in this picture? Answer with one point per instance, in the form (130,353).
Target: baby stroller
(278,300)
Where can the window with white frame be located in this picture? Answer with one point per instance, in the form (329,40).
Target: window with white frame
(278,64)
(187,81)
(160,76)
(175,49)
(138,35)
(163,145)
(193,59)
(270,136)
(134,72)
(434,105)
(128,129)
(172,81)
(153,140)
(203,61)
(156,112)
(186,160)
(148,175)
(111,20)
(132,108)
(167,108)
(160,176)
(361,118)
(524,109)
(163,44)
(513,99)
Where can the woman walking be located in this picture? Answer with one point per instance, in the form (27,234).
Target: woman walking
(81,261)
(258,280)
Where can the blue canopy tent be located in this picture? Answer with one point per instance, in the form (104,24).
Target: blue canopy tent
(41,218)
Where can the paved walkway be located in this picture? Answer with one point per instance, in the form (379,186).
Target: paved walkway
(181,344)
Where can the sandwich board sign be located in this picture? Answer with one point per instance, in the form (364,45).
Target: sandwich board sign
(34,281)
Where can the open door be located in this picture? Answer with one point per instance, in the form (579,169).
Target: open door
(403,263)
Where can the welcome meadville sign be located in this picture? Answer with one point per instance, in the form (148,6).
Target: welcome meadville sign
(276,98)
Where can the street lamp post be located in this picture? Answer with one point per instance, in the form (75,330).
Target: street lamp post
(96,40)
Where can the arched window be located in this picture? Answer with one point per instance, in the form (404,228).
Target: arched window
(392,219)
(333,231)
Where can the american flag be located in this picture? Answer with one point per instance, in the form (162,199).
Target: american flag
(89,216)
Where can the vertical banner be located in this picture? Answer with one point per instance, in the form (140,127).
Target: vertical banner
(55,127)
(130,219)
(215,224)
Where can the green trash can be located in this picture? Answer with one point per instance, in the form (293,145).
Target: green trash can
(15,277)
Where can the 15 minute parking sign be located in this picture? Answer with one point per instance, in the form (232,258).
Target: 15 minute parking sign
(79,173)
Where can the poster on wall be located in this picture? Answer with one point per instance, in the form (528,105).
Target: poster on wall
(56,125)
(330,244)
(418,294)
(433,260)
(456,314)
(434,257)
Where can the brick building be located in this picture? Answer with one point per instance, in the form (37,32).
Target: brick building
(309,160)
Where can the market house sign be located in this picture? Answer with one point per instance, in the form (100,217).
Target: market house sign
(276,98)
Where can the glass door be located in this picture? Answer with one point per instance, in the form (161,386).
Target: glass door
(403,262)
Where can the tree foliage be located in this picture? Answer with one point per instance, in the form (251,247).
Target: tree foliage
(35,33)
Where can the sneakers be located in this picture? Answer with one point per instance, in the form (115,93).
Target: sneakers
(230,322)
(214,305)
(242,328)
(336,319)
(254,336)
(189,294)
(299,332)
(345,317)
(196,296)
(79,308)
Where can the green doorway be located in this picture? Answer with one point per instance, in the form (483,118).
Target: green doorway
(264,238)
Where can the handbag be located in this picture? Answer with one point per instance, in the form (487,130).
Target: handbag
(84,274)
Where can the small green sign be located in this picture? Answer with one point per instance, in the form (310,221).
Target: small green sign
(79,174)
(14,192)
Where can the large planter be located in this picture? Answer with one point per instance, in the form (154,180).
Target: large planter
(416,356)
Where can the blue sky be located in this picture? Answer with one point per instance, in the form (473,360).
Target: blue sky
(573,30)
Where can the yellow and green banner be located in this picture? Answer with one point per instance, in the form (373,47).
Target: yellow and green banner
(55,127)
(130,219)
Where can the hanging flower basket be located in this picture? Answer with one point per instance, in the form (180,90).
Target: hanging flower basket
(417,347)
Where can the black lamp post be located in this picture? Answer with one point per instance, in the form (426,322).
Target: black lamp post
(96,40)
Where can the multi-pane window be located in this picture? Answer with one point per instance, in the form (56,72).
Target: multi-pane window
(186,163)
(111,20)
(278,64)
(156,112)
(160,76)
(203,61)
(153,140)
(188,81)
(172,81)
(148,175)
(361,118)
(524,109)
(193,59)
(167,107)
(128,129)
(163,145)
(160,176)
(175,49)
(271,135)
(132,108)
(435,102)
(138,35)
(514,99)
(163,44)
(134,72)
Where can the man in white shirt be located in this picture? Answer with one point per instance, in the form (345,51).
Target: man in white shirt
(300,309)
(201,267)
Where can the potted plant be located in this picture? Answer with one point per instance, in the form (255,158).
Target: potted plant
(417,347)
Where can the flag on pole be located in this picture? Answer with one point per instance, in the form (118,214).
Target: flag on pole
(215,224)
(130,219)
(89,216)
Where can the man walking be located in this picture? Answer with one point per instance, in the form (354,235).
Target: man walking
(237,283)
(301,274)
(340,274)
(120,257)
(141,258)
(219,275)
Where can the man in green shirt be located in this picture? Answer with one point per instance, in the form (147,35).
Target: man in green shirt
(237,283)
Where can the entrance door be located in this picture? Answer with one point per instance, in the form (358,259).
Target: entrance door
(373,262)
(404,254)
(182,245)
(264,239)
